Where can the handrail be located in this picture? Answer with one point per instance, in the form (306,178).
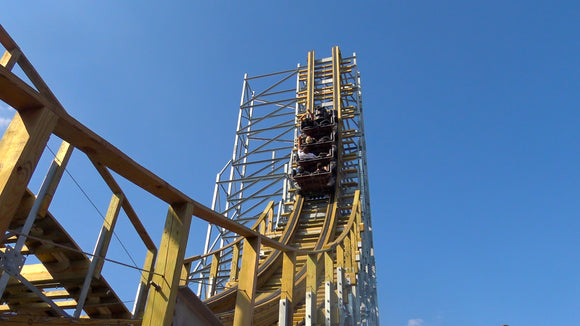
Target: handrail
(268,208)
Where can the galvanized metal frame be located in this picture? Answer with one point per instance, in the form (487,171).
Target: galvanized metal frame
(258,170)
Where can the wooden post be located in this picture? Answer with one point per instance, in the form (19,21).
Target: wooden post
(235,261)
(329,301)
(310,86)
(165,282)
(287,291)
(185,274)
(101,249)
(213,273)
(244,311)
(20,149)
(311,287)
(340,282)
(143,288)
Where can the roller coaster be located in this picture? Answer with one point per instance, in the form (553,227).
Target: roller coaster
(289,238)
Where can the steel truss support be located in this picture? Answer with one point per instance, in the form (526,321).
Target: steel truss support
(258,170)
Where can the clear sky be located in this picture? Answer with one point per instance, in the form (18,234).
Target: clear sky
(471,108)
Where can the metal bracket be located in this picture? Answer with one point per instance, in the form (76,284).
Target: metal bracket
(11,261)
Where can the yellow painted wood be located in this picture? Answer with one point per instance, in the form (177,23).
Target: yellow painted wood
(310,85)
(107,230)
(287,288)
(354,250)
(340,256)
(21,148)
(328,267)
(330,304)
(235,262)
(270,225)
(213,271)
(348,255)
(288,272)
(114,186)
(165,282)
(62,157)
(244,310)
(65,304)
(311,283)
(146,278)
(185,274)
(336,93)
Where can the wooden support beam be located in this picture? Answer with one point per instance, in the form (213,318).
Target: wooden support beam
(310,85)
(100,250)
(165,283)
(107,231)
(143,288)
(336,93)
(270,227)
(21,148)
(213,272)
(185,273)
(329,301)
(286,309)
(61,160)
(114,186)
(340,295)
(235,262)
(348,255)
(244,311)
(311,287)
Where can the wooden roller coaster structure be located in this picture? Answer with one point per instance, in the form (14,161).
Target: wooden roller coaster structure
(281,248)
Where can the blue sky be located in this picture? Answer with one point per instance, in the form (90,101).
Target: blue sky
(471,108)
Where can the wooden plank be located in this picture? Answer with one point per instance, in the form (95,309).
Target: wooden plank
(35,306)
(244,310)
(163,293)
(21,148)
(38,274)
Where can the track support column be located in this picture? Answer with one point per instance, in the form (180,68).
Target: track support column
(165,283)
(244,311)
(311,287)
(287,294)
